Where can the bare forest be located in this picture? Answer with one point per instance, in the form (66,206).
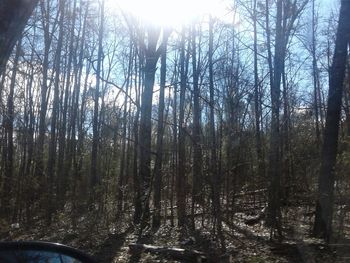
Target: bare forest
(222,139)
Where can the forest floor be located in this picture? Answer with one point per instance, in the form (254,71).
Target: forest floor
(244,241)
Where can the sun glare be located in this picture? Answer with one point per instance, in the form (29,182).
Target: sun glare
(173,12)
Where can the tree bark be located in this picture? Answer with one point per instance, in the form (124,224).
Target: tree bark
(48,36)
(61,165)
(145,135)
(316,81)
(95,126)
(274,212)
(136,176)
(160,132)
(122,173)
(181,171)
(54,117)
(197,194)
(8,124)
(257,101)
(325,199)
(215,175)
(13,18)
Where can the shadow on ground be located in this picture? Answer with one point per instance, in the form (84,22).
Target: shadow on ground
(110,247)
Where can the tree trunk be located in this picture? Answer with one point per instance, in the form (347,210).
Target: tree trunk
(215,175)
(61,166)
(136,178)
(145,135)
(39,156)
(174,159)
(257,102)
(14,15)
(197,193)
(8,124)
(122,173)
(325,199)
(54,117)
(316,80)
(160,131)
(274,212)
(181,172)
(95,126)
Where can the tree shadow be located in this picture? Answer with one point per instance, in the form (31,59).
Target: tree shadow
(143,239)
(341,249)
(111,246)
(135,257)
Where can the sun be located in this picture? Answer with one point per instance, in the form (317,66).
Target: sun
(172,13)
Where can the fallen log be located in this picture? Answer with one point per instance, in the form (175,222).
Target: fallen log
(173,253)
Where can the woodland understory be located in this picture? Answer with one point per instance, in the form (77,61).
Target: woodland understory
(214,141)
(247,238)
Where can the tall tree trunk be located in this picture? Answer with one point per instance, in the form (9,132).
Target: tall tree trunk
(286,154)
(136,178)
(78,118)
(215,175)
(160,131)
(274,210)
(181,171)
(95,124)
(257,101)
(9,154)
(80,145)
(174,159)
(54,117)
(122,172)
(62,169)
(325,199)
(39,155)
(145,135)
(316,80)
(197,193)
(28,191)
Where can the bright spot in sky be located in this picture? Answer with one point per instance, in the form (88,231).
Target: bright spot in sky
(173,12)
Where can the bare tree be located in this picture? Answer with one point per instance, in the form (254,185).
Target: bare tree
(215,175)
(197,184)
(160,132)
(325,199)
(95,178)
(181,171)
(9,153)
